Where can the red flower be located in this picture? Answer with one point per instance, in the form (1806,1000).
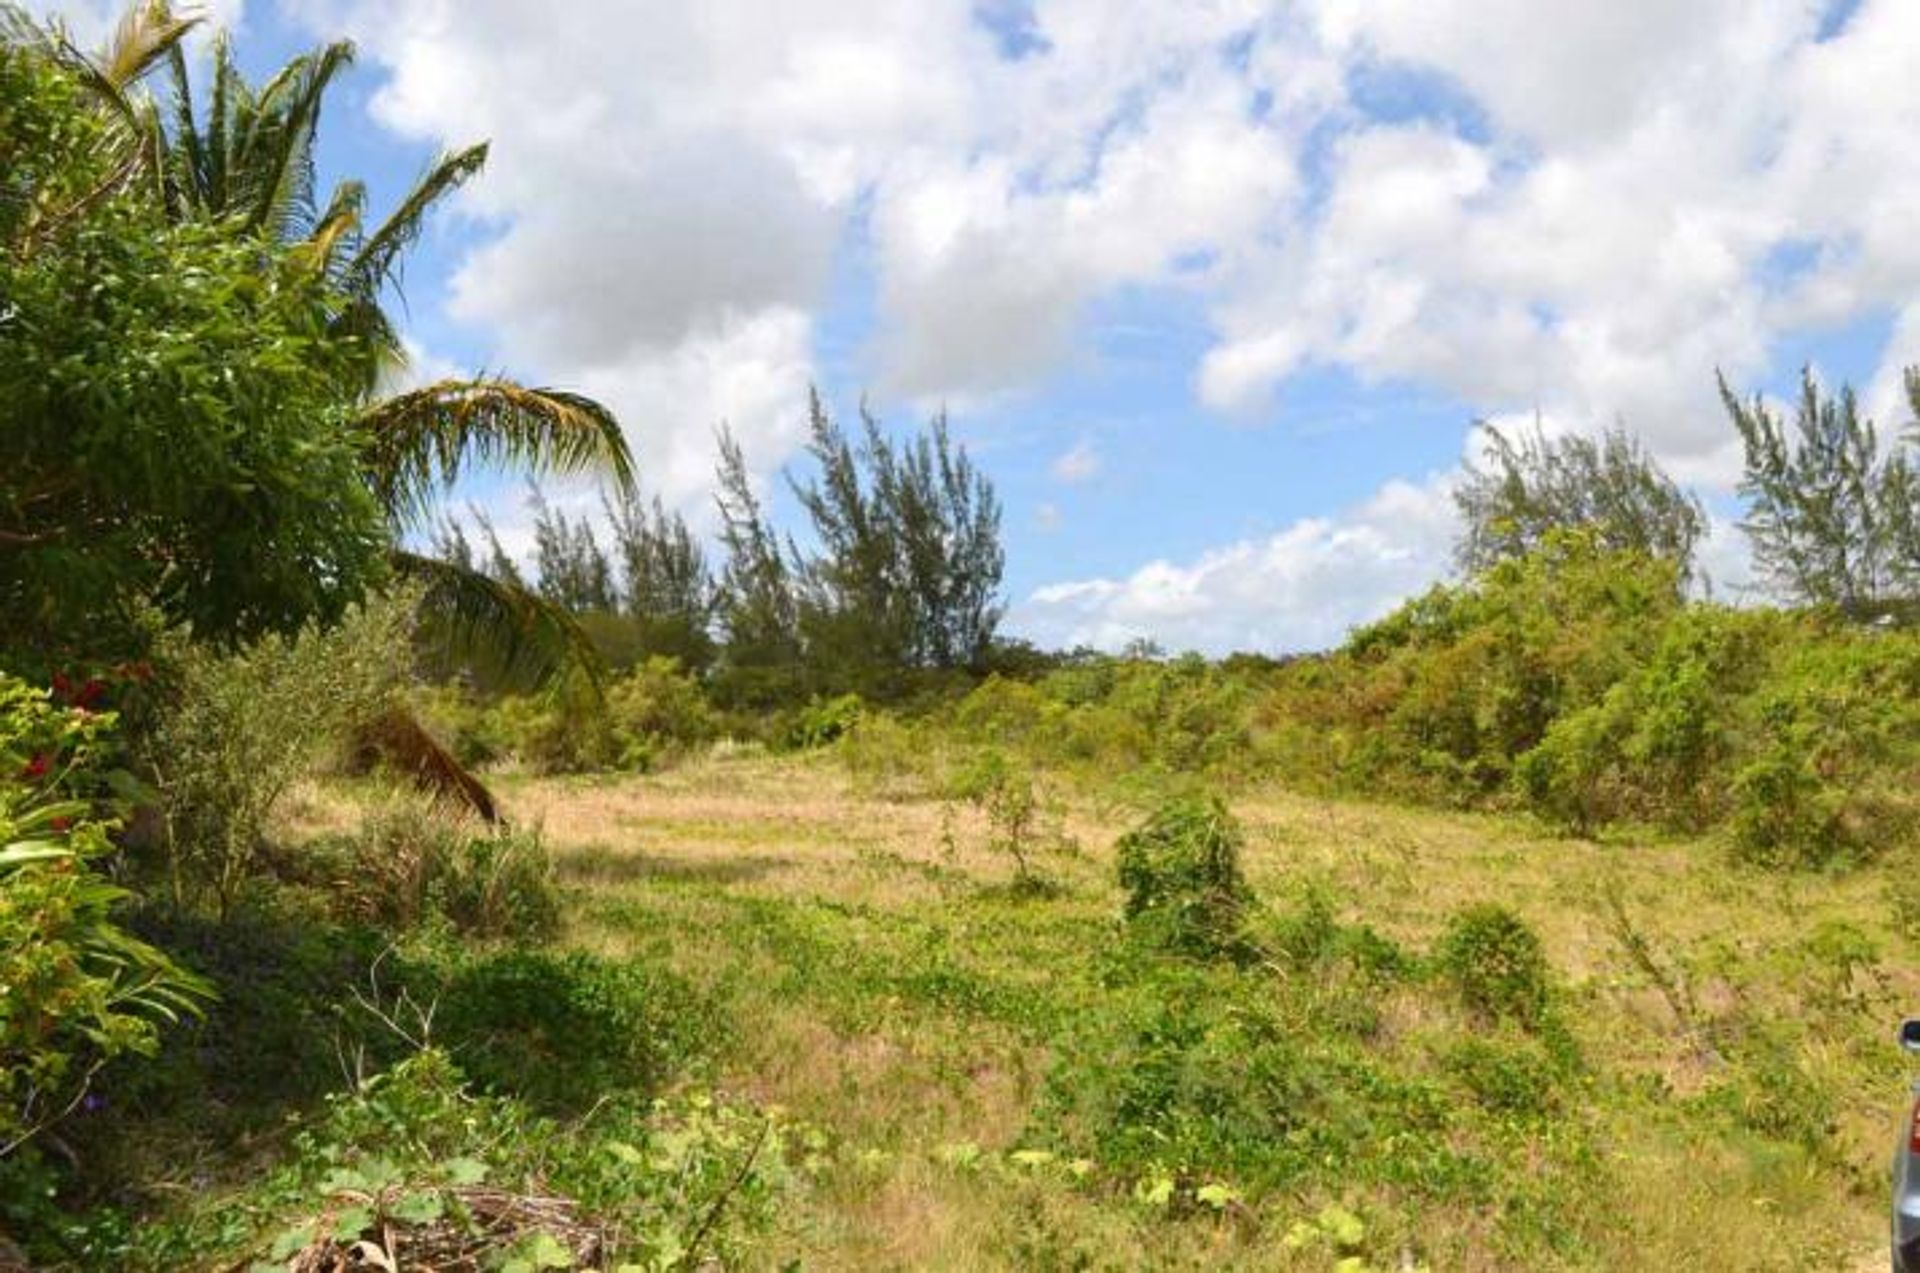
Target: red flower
(61,685)
(59,824)
(38,766)
(90,693)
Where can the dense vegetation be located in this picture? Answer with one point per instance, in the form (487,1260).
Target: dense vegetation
(946,949)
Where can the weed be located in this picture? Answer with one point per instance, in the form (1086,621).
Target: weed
(1181,872)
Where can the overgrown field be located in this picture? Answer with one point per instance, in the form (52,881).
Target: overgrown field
(996,1076)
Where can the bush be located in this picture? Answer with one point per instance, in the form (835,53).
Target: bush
(471,729)
(76,990)
(242,727)
(822,721)
(888,758)
(1830,779)
(1510,1076)
(408,865)
(1023,826)
(1199,1075)
(655,710)
(1496,963)
(564,1031)
(1181,872)
(563,730)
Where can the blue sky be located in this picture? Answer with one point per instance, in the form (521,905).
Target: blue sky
(1213,291)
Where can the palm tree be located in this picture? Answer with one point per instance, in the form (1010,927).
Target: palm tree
(247,161)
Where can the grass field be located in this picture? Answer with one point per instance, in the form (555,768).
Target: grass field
(1730,1104)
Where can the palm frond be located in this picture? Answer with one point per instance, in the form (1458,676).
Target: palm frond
(374,266)
(146,34)
(187,176)
(422,441)
(279,145)
(226,89)
(500,628)
(401,742)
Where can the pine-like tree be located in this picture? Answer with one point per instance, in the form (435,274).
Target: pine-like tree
(1609,485)
(1829,513)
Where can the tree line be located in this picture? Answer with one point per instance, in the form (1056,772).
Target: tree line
(1832,511)
(898,574)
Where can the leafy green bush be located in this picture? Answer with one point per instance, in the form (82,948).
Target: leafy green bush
(76,990)
(1023,825)
(404,1158)
(1181,872)
(564,729)
(1191,1074)
(469,727)
(242,727)
(821,721)
(564,1031)
(1506,1075)
(1830,779)
(1497,964)
(657,709)
(889,758)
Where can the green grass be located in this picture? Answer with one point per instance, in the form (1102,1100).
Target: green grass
(981,1075)
(1007,1083)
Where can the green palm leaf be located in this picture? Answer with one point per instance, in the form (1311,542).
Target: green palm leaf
(513,633)
(419,443)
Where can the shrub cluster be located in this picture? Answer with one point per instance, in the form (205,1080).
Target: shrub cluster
(1574,682)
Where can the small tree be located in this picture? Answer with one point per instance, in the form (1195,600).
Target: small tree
(667,589)
(1608,484)
(1830,514)
(756,597)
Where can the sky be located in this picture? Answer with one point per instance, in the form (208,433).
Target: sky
(1215,291)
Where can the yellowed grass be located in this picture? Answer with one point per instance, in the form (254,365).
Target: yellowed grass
(690,843)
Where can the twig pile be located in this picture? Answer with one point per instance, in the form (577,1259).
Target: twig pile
(479,1225)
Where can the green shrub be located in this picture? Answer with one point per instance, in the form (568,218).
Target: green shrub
(562,730)
(1829,780)
(822,721)
(889,758)
(244,726)
(1199,1074)
(564,1031)
(1505,1075)
(1770,1091)
(76,990)
(409,864)
(1497,964)
(655,710)
(1023,826)
(470,728)
(1181,872)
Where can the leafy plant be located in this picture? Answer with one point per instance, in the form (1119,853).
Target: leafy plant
(408,865)
(1181,872)
(565,1031)
(1022,825)
(1497,964)
(76,990)
(243,726)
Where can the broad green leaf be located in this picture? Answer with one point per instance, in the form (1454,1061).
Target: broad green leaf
(418,1208)
(351,1223)
(466,1171)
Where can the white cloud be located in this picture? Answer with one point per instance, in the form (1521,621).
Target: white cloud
(1299,589)
(1591,205)
(1079,463)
